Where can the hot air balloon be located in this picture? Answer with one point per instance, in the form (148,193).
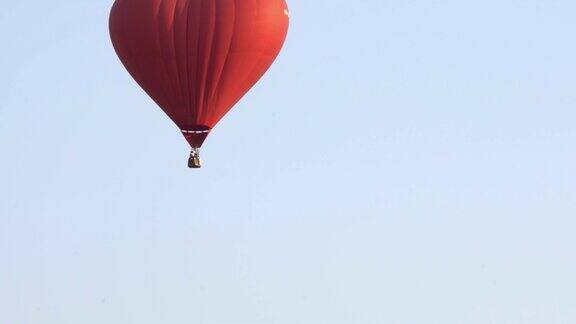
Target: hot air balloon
(197,58)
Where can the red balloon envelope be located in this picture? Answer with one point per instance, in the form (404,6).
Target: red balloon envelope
(198,58)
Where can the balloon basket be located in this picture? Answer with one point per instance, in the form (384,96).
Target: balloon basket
(194,161)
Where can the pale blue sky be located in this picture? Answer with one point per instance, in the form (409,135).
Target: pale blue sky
(403,162)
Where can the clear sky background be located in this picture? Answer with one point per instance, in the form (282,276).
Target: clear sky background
(402,162)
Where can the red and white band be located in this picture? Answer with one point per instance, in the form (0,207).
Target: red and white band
(196,132)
